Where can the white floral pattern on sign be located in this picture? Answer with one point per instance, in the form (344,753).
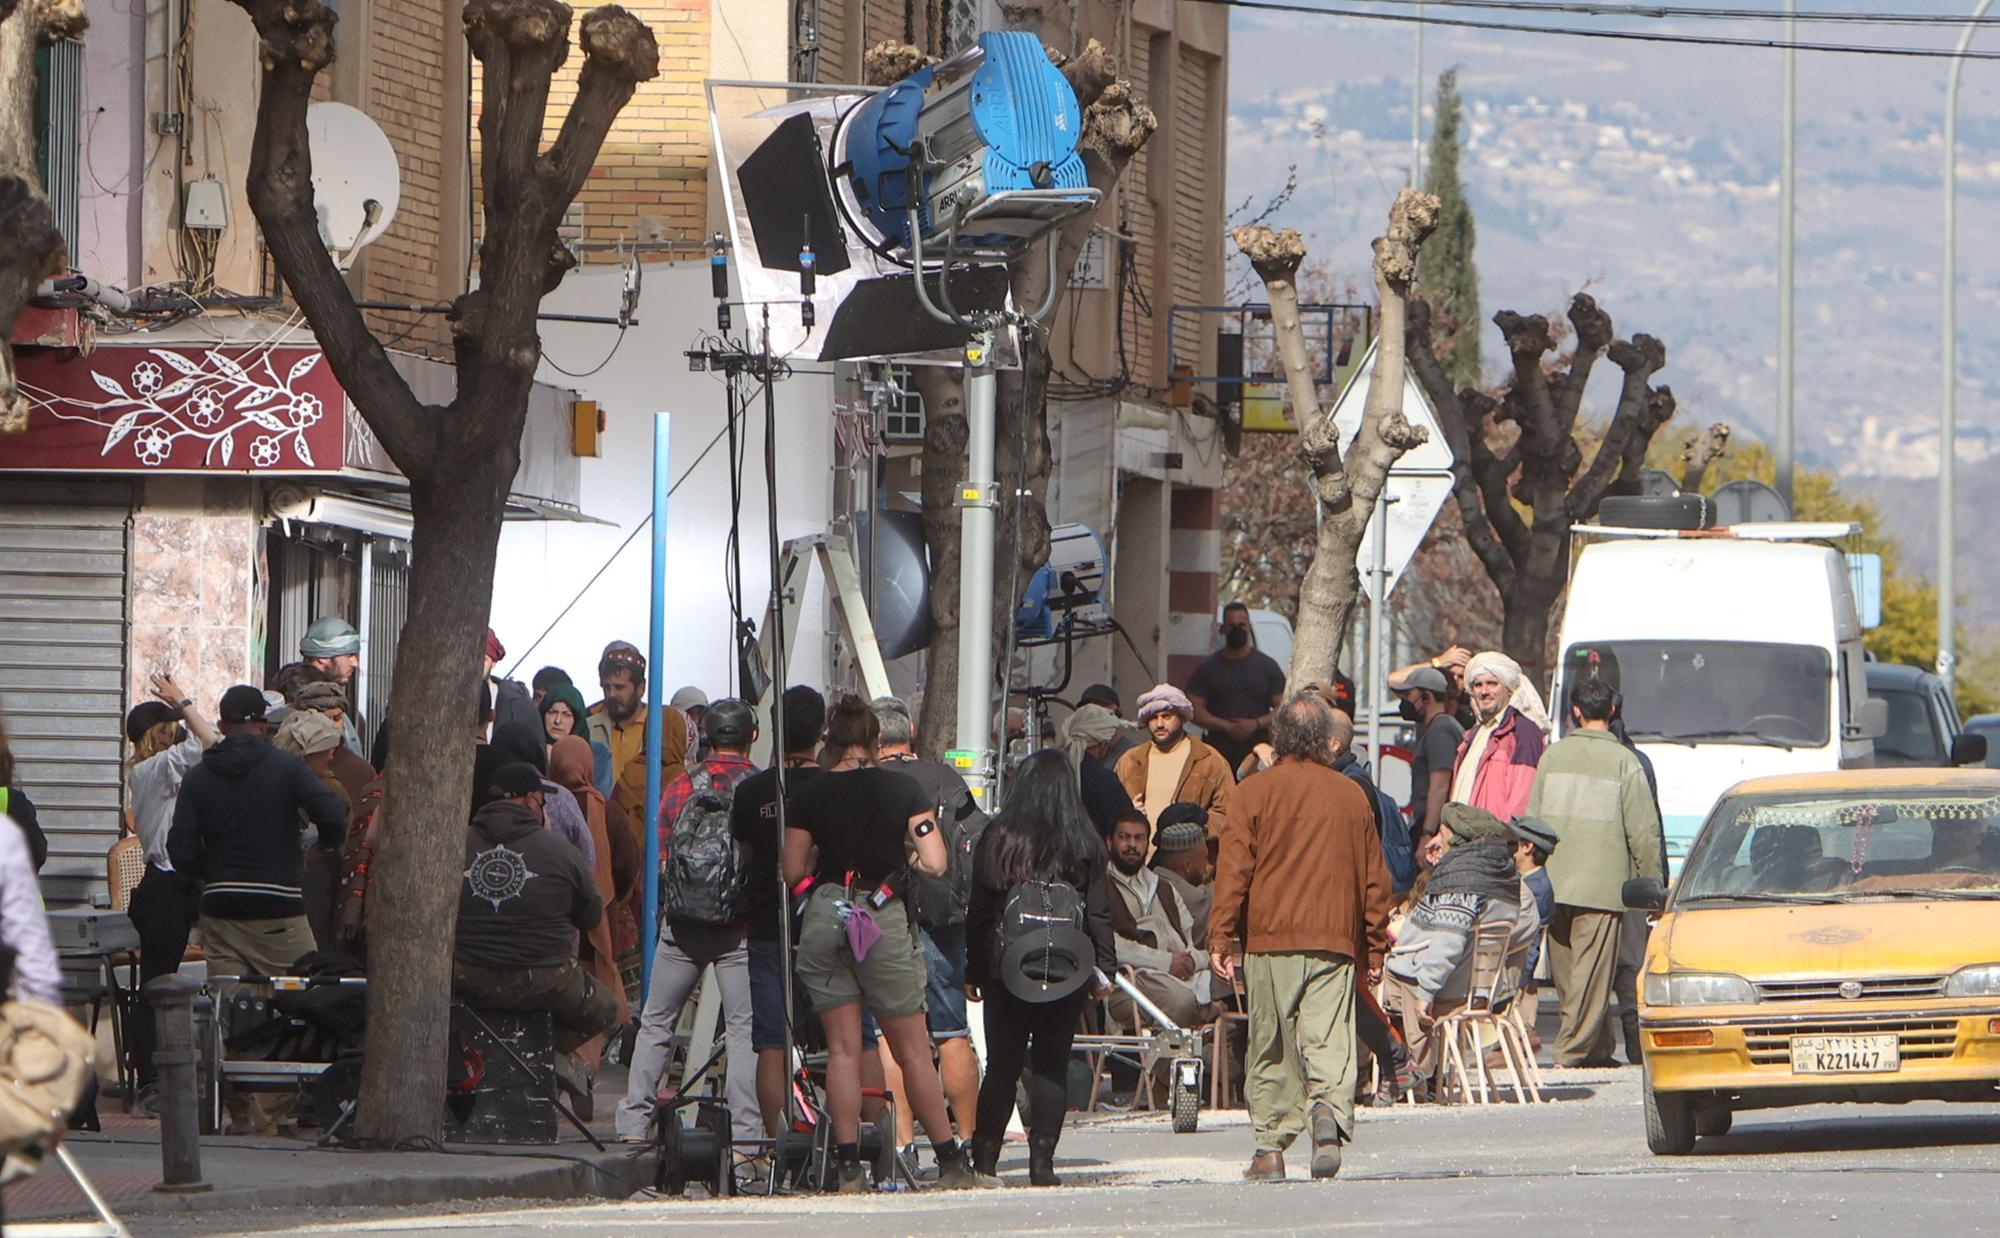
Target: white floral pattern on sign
(211,398)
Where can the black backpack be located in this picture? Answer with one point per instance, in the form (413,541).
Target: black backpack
(1034,912)
(706,869)
(941,902)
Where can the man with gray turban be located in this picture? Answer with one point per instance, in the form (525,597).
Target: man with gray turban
(1176,766)
(332,644)
(1497,759)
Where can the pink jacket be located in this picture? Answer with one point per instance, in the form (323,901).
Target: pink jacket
(1506,771)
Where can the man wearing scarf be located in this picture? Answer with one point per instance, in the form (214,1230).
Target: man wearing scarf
(1497,758)
(1087,738)
(1593,790)
(1176,767)
(1475,883)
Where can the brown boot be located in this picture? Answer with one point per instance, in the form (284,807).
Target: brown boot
(1266,1167)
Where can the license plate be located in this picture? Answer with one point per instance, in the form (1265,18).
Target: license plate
(1845,1055)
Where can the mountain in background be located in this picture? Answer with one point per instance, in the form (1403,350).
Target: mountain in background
(1649,174)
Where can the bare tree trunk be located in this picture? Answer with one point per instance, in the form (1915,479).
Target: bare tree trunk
(945,434)
(31,249)
(413,903)
(1346,489)
(1702,450)
(460,460)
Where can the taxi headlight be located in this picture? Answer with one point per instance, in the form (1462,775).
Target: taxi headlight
(1982,980)
(1683,988)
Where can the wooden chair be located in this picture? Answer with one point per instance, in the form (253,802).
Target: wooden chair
(1220,1094)
(124,866)
(1457,1035)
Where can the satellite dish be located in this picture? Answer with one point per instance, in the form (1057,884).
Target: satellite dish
(356,180)
(1749,502)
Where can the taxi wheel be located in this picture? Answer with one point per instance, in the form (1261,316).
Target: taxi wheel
(1716,1121)
(1669,1122)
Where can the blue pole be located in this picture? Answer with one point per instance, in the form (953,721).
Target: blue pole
(656,642)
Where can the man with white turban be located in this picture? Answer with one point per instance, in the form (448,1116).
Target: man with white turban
(1176,767)
(1497,758)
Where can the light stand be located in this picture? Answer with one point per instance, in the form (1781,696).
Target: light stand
(973,753)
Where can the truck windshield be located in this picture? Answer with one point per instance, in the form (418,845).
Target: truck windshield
(1877,843)
(1713,692)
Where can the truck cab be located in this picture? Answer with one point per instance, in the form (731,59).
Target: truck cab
(1736,652)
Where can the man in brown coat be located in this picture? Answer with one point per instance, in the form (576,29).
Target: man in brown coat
(1302,893)
(1176,767)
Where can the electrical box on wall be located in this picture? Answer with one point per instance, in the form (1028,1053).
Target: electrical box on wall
(587,424)
(207,205)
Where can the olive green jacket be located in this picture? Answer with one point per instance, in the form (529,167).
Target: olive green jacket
(1591,788)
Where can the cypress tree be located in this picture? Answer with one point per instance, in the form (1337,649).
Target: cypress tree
(1449,278)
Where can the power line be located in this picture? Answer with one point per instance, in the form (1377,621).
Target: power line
(1655,11)
(1635,36)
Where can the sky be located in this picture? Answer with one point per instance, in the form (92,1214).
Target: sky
(1648,174)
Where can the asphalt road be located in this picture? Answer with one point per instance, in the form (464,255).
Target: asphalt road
(1578,1165)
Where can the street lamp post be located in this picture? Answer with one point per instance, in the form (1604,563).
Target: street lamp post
(1787,212)
(1417,109)
(1947,655)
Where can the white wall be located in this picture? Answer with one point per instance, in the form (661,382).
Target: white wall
(543,565)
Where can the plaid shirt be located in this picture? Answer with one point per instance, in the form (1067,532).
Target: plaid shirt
(724,770)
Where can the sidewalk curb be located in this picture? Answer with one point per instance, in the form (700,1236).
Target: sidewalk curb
(612,1174)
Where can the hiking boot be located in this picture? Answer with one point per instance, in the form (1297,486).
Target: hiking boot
(1326,1142)
(954,1170)
(1042,1161)
(985,1156)
(573,1078)
(1266,1167)
(848,1178)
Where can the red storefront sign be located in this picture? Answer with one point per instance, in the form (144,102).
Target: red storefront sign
(180,408)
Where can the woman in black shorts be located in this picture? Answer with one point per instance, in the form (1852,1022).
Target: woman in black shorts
(856,830)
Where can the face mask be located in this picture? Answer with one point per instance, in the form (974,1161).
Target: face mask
(1409,711)
(1237,637)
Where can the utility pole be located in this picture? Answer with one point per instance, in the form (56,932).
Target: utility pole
(1787,213)
(1947,577)
(1417,109)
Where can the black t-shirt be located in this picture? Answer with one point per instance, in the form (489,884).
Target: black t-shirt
(1437,749)
(1237,688)
(753,819)
(860,819)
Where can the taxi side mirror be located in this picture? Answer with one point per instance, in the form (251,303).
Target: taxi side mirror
(1968,749)
(1645,894)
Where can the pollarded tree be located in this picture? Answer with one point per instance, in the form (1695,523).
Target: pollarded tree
(1518,496)
(1345,485)
(460,459)
(31,249)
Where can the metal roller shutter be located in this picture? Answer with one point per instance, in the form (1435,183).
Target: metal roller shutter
(62,667)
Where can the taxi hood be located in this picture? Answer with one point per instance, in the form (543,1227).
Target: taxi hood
(1912,938)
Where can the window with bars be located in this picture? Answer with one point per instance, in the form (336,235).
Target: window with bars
(903,417)
(59,131)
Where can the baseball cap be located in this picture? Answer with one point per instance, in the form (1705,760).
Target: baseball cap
(729,723)
(688,698)
(515,779)
(244,703)
(145,716)
(1429,678)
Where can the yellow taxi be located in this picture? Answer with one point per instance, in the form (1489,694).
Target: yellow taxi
(1832,937)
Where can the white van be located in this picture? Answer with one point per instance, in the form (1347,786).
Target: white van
(1737,653)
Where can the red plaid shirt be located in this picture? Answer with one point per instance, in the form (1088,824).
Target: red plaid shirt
(725,770)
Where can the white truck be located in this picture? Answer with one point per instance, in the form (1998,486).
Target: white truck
(1737,653)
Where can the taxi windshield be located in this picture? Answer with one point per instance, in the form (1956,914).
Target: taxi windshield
(1820,847)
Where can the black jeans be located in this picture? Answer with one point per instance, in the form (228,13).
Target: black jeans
(162,911)
(1011,1024)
